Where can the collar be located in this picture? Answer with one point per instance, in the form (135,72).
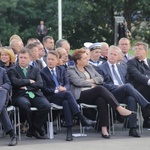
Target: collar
(23,67)
(109,64)
(52,69)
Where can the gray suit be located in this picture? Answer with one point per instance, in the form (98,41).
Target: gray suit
(126,58)
(78,79)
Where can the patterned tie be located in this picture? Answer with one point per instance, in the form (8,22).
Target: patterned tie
(55,78)
(116,75)
(31,94)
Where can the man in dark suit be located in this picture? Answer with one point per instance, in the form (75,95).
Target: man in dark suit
(104,51)
(5,88)
(124,45)
(41,30)
(66,45)
(138,70)
(34,56)
(27,83)
(115,81)
(56,90)
(48,43)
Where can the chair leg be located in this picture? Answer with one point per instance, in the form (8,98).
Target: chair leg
(111,120)
(18,121)
(50,132)
(140,119)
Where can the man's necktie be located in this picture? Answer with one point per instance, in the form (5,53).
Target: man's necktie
(144,64)
(116,75)
(24,71)
(31,94)
(34,64)
(55,78)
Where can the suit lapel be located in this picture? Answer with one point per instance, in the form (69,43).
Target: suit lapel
(80,73)
(48,73)
(109,71)
(121,73)
(58,74)
(20,72)
(28,72)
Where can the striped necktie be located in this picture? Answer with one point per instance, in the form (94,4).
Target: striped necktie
(116,75)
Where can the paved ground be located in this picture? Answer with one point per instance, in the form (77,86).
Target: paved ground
(93,141)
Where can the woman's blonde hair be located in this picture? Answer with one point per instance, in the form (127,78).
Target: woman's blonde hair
(8,51)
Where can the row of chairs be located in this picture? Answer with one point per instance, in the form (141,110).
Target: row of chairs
(16,118)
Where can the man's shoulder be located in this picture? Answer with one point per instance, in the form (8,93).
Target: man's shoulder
(104,65)
(61,68)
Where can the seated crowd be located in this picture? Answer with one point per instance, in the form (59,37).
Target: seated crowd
(37,74)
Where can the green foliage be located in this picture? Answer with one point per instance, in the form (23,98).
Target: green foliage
(82,20)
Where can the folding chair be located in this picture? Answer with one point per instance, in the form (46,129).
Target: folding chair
(50,134)
(15,111)
(110,115)
(56,107)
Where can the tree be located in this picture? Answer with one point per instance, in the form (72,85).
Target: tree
(83,20)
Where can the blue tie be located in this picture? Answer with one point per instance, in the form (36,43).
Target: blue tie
(34,64)
(55,78)
(116,75)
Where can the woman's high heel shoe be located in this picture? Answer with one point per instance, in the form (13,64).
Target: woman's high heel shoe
(131,113)
(105,136)
(125,112)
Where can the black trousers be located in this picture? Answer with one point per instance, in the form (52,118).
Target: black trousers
(70,106)
(101,97)
(37,120)
(129,95)
(145,91)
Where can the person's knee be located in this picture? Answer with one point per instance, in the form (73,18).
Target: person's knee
(25,105)
(128,86)
(64,102)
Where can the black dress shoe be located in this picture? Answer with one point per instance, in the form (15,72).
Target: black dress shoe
(69,134)
(13,141)
(87,122)
(55,132)
(34,134)
(133,132)
(41,132)
(105,136)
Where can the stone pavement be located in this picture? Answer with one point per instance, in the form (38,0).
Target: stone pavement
(93,141)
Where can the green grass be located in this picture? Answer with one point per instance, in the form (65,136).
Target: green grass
(131,52)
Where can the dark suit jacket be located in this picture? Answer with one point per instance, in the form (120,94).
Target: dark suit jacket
(39,64)
(5,87)
(138,75)
(39,30)
(18,80)
(105,71)
(126,60)
(4,80)
(48,82)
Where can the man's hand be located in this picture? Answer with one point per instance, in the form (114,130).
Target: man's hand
(61,88)
(31,81)
(23,87)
